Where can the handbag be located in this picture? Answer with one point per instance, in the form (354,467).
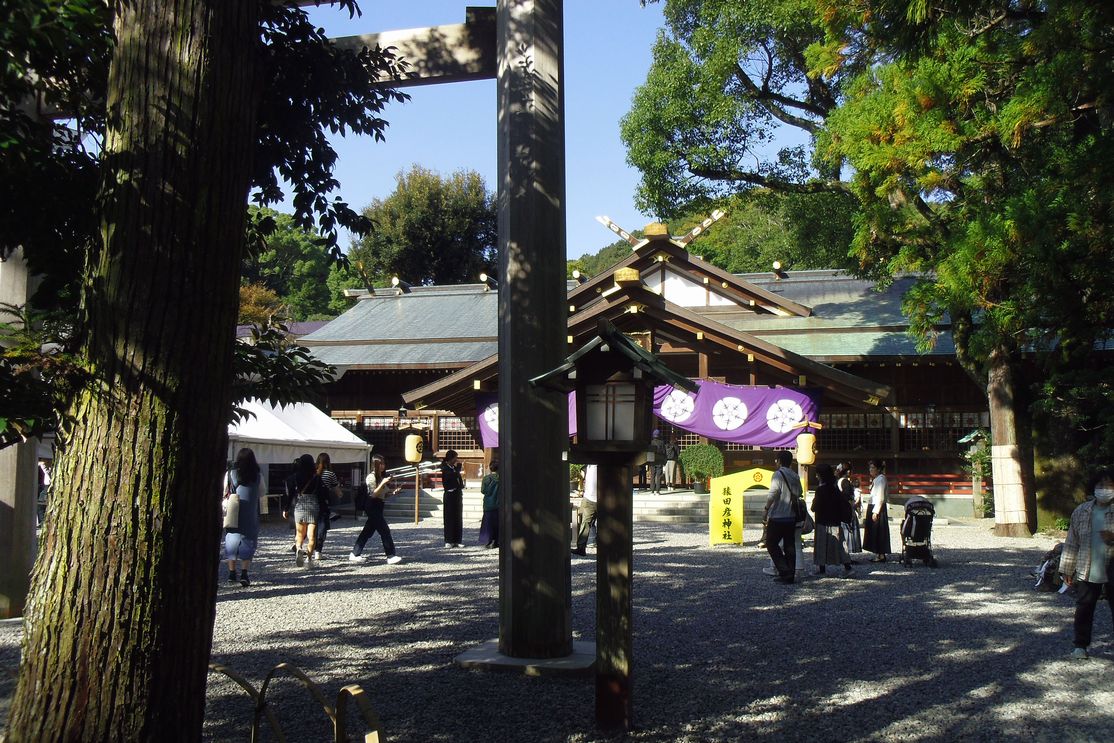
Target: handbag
(231,511)
(804,518)
(231,505)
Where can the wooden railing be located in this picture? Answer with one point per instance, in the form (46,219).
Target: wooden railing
(931,484)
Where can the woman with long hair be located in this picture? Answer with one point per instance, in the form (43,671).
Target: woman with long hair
(245,483)
(829,507)
(303,496)
(378,485)
(330,487)
(876,525)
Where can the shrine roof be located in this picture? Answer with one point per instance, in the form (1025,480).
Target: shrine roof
(430,326)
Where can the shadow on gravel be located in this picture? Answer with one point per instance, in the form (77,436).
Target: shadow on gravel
(721,653)
(967,651)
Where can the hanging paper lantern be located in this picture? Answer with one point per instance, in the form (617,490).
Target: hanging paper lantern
(414,448)
(806,448)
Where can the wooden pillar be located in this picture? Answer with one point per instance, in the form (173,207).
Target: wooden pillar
(614,569)
(535,592)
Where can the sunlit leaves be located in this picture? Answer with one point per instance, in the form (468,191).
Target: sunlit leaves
(431,229)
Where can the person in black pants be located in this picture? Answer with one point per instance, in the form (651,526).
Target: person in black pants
(453,484)
(374,495)
(781,529)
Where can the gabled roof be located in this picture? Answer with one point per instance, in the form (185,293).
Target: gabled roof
(669,257)
(634,308)
(609,340)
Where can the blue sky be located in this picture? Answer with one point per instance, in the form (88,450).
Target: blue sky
(451,127)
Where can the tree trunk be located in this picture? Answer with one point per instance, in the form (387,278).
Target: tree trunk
(1011,514)
(120,616)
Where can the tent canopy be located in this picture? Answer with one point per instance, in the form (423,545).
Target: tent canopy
(281,435)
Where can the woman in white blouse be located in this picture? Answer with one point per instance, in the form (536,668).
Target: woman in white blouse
(876,525)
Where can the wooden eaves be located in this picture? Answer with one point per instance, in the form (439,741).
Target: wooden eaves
(634,308)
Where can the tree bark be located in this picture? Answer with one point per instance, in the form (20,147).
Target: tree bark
(1011,513)
(120,616)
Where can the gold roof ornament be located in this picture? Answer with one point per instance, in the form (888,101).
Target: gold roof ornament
(625,276)
(657,231)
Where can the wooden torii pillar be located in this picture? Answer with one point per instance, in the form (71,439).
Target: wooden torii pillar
(521,44)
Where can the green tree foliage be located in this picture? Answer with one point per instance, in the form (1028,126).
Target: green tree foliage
(591,265)
(294,264)
(430,230)
(56,57)
(339,279)
(726,80)
(980,136)
(729,80)
(760,226)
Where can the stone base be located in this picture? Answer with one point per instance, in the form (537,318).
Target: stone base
(486,656)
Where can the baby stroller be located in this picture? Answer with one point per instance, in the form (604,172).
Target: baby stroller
(916,532)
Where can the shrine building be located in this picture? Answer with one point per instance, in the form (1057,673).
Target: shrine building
(422,358)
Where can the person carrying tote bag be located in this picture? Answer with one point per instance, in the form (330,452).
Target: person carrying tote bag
(230,505)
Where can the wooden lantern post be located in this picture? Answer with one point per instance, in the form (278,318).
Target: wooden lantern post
(614,380)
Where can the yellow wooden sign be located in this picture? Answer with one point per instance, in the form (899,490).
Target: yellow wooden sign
(725,505)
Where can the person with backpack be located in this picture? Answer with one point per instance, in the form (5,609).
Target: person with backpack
(781,529)
(304,494)
(1087,562)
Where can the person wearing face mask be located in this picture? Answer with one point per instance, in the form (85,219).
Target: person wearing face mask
(1087,562)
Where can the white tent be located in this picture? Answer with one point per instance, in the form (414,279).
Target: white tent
(281,435)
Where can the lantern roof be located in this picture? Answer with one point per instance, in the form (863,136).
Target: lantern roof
(609,339)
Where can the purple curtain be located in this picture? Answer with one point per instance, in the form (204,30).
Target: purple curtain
(754,416)
(487,413)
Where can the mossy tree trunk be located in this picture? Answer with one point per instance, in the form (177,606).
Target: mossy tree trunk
(120,616)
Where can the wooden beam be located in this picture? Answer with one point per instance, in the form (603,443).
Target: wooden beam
(439,54)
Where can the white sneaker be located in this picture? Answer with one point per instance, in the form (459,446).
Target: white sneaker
(357,558)
(449,545)
(1079,654)
(394,560)
(317,557)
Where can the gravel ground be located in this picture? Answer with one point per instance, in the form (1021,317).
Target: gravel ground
(721,653)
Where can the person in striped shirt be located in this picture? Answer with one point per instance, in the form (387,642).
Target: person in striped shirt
(331,487)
